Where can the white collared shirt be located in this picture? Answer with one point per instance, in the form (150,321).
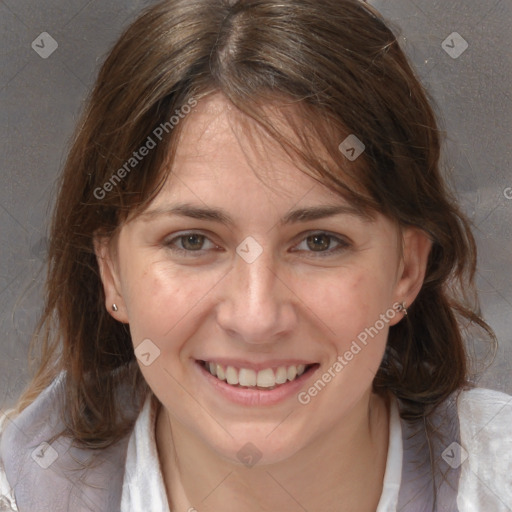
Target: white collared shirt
(143,478)
(486,475)
(485,483)
(143,485)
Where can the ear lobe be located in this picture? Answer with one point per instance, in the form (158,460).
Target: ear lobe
(109,274)
(416,248)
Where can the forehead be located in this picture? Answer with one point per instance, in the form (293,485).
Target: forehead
(219,146)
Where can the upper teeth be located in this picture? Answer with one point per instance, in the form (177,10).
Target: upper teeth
(246,377)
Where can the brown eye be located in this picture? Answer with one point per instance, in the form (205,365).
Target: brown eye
(319,242)
(192,242)
(322,244)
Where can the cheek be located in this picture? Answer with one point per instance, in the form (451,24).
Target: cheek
(160,299)
(350,305)
(164,306)
(353,309)
(349,301)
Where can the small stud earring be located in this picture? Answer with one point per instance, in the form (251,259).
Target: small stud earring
(114,307)
(404,309)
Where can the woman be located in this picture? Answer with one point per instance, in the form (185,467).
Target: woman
(258,283)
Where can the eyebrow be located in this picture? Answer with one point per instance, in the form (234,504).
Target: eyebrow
(217,215)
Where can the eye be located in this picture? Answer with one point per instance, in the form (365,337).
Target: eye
(190,242)
(322,243)
(319,242)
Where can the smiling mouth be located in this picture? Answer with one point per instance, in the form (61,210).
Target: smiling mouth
(266,379)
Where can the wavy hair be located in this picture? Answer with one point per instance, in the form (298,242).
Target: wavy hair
(332,68)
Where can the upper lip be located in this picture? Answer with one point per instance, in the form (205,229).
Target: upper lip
(251,365)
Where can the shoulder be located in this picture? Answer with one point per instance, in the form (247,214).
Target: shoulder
(7,500)
(485,419)
(20,437)
(481,405)
(45,471)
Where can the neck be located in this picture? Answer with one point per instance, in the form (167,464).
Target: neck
(341,470)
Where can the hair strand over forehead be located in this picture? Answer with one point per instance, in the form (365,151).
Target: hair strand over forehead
(331,68)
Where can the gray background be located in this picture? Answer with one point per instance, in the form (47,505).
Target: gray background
(41,98)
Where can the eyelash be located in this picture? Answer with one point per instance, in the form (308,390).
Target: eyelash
(342,244)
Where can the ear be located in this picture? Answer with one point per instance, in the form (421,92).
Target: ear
(106,256)
(416,246)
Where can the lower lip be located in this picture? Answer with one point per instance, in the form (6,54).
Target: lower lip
(257,397)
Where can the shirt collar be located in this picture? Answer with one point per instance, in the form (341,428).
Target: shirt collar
(143,485)
(144,488)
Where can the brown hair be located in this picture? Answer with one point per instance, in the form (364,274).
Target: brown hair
(341,71)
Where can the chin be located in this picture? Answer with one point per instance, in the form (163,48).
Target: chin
(251,447)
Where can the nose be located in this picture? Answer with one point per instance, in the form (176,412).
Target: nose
(257,304)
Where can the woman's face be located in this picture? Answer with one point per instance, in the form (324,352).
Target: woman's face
(246,265)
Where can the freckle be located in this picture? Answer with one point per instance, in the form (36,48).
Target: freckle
(358,280)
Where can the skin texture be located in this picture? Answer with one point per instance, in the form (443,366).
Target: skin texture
(300,299)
